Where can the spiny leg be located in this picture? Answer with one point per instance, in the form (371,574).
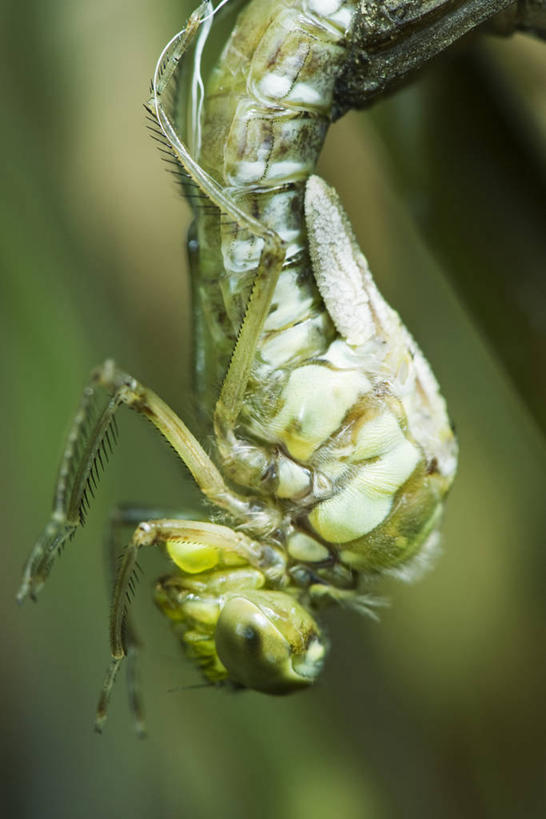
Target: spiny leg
(122,517)
(273,252)
(205,473)
(207,536)
(89,443)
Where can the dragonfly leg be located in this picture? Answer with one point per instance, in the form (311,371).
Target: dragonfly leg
(273,251)
(206,543)
(122,517)
(128,391)
(88,445)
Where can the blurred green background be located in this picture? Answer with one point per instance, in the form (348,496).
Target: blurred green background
(438,710)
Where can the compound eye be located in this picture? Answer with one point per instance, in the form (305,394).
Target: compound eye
(269,643)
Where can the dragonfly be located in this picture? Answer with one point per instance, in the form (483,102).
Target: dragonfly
(333,450)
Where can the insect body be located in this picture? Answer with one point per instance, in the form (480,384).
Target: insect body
(333,447)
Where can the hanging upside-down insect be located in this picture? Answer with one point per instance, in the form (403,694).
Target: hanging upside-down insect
(334,451)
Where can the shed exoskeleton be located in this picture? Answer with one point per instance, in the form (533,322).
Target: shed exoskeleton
(334,450)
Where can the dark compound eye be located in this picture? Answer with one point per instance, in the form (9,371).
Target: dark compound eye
(257,648)
(252,637)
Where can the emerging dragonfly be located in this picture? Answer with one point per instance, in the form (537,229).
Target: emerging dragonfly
(333,448)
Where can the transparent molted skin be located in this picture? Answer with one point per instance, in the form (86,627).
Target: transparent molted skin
(332,447)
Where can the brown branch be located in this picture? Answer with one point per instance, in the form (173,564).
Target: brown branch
(394,39)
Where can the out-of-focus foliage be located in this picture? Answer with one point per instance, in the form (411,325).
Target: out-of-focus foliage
(436,711)
(478,135)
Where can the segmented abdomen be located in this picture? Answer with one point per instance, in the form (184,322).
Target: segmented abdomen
(331,426)
(266,113)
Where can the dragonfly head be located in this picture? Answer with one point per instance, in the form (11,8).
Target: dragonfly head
(262,640)
(269,642)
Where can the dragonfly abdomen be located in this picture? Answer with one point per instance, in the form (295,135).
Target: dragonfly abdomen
(323,430)
(266,111)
